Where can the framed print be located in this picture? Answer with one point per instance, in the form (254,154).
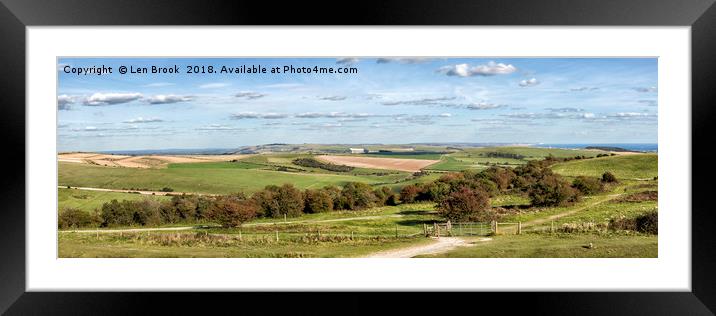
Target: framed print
(544,150)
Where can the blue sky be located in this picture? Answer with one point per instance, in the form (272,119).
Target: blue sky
(389,100)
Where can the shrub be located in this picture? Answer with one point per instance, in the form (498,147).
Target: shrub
(609,177)
(167,189)
(146,212)
(502,177)
(76,218)
(313,163)
(466,204)
(552,190)
(275,201)
(184,206)
(504,155)
(393,200)
(318,201)
(646,223)
(358,195)
(116,213)
(229,211)
(587,186)
(335,194)
(409,193)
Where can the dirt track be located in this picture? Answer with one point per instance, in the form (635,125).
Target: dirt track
(570,212)
(410,165)
(441,244)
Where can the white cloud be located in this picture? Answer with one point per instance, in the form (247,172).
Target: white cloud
(250,95)
(334,98)
(445,115)
(219,127)
(64,101)
(529,82)
(645,89)
(254,115)
(484,106)
(170,98)
(581,89)
(565,110)
(631,114)
(423,101)
(111,98)
(215,85)
(144,120)
(403,60)
(347,61)
(337,115)
(490,69)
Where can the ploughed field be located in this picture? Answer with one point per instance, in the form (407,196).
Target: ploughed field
(145,161)
(402,164)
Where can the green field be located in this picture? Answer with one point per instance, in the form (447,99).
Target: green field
(559,246)
(450,163)
(638,166)
(478,158)
(221,180)
(90,200)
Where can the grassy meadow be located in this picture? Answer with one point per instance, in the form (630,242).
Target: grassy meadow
(362,232)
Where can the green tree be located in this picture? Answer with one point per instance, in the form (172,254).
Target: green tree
(318,201)
(552,190)
(230,211)
(466,204)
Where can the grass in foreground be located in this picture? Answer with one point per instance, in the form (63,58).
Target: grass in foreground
(197,245)
(559,246)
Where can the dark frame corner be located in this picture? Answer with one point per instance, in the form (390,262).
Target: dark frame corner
(16,15)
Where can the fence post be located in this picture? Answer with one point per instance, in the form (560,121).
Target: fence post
(551,228)
(396,231)
(284,217)
(240,239)
(277,235)
(351,235)
(519,228)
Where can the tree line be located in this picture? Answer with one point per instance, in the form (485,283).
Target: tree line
(461,195)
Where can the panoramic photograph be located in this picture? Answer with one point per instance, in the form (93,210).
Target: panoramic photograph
(357,157)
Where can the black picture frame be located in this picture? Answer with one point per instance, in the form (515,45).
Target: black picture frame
(16,15)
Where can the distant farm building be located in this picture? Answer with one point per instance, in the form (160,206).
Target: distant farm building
(358,150)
